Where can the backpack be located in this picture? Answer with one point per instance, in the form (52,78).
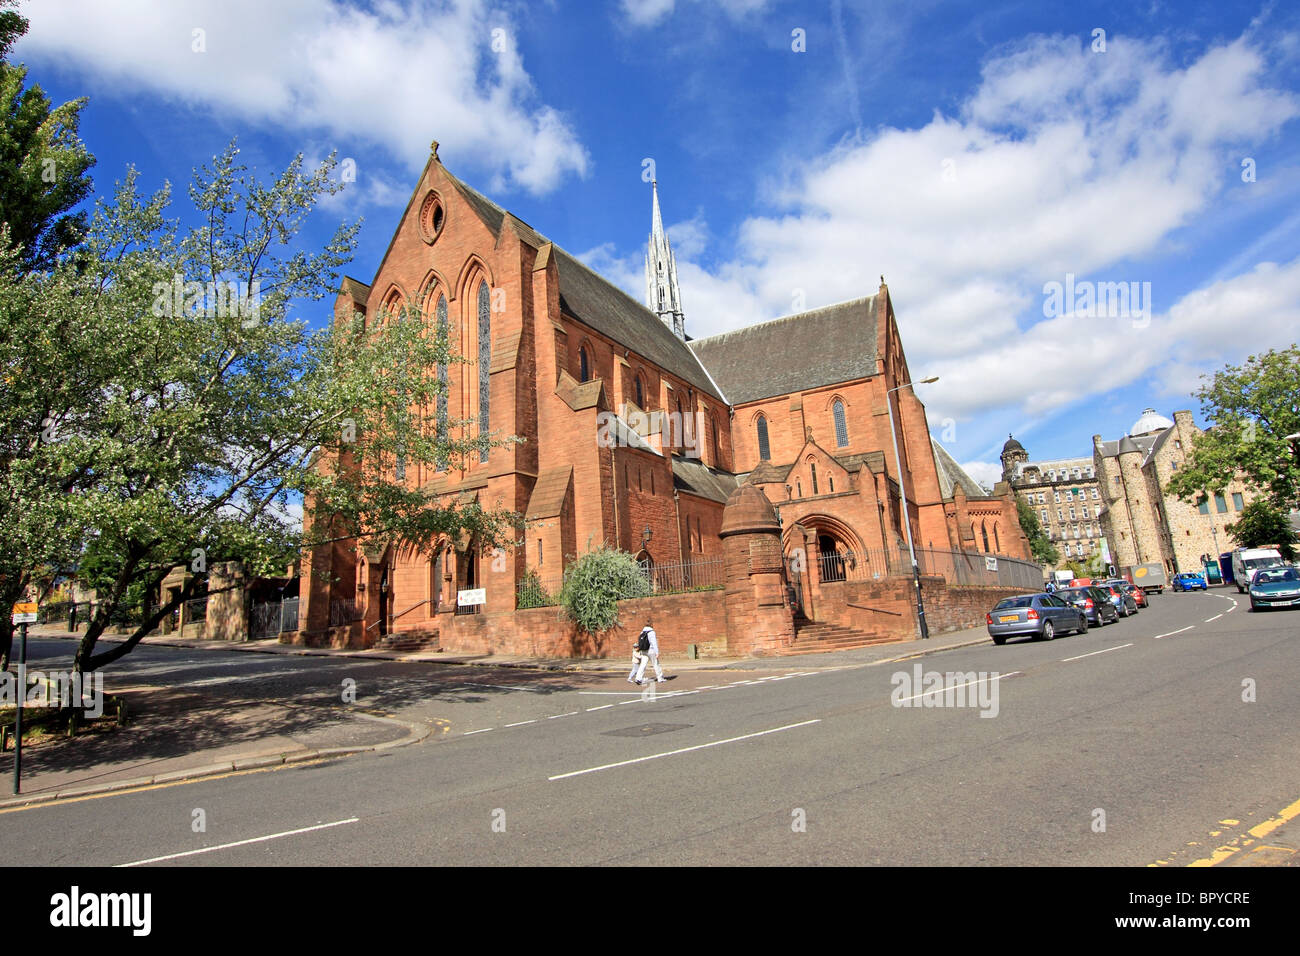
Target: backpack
(643,642)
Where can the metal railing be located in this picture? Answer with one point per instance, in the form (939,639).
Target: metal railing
(962,568)
(702,574)
(343,611)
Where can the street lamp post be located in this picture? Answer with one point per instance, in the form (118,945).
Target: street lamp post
(907,524)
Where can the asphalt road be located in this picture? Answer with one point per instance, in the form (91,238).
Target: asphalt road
(1128,745)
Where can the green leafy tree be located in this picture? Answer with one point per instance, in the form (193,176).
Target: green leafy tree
(43,166)
(1040,546)
(1263,525)
(12,25)
(161,405)
(595,583)
(1254,407)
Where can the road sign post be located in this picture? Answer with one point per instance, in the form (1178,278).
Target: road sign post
(18,708)
(24,613)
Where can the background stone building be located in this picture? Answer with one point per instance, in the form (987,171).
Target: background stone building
(1145,524)
(1064,493)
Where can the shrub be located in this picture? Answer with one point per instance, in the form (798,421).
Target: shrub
(531,592)
(595,583)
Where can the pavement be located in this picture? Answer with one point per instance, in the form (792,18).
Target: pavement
(173,735)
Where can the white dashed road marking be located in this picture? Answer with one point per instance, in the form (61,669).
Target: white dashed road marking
(931,693)
(683,750)
(227,846)
(1065,660)
(1179,631)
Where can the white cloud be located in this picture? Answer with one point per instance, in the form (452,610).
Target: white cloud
(1061,161)
(987,473)
(397,75)
(648,13)
(644,13)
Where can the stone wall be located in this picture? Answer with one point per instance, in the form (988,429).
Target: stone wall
(698,617)
(887,608)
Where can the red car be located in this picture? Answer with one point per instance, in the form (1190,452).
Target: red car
(1139,595)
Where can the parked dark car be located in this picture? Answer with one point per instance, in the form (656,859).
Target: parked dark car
(1096,605)
(1189,581)
(1274,587)
(1123,602)
(1041,615)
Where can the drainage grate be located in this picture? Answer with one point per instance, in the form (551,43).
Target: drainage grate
(646,730)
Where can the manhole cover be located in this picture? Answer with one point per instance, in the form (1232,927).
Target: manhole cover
(646,730)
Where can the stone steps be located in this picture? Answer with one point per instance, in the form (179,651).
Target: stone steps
(819,637)
(409,641)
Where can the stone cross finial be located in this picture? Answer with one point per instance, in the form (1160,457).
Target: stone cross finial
(808,433)
(433,149)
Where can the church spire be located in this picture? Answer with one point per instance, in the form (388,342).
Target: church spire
(662,295)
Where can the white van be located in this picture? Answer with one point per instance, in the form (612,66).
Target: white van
(1246,561)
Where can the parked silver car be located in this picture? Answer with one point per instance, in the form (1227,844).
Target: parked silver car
(1040,615)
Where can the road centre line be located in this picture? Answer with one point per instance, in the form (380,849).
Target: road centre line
(1104,650)
(672,753)
(469,733)
(569,714)
(931,693)
(1215,618)
(522,722)
(601,707)
(227,846)
(1179,631)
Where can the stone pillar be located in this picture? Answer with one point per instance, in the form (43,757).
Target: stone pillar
(227,602)
(759,621)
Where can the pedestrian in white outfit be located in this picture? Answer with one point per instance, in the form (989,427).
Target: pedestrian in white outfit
(646,651)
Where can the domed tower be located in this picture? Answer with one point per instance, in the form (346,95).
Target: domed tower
(1151,421)
(1014,457)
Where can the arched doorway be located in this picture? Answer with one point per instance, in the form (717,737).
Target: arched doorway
(385,601)
(647,565)
(830,557)
(466,576)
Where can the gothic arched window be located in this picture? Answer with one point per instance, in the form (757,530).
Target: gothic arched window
(640,393)
(764,451)
(584,371)
(717,459)
(443,387)
(841,425)
(484,363)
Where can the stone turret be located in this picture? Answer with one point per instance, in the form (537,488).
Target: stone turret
(759,621)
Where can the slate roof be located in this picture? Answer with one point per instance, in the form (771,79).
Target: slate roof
(821,347)
(599,303)
(691,474)
(952,474)
(874,460)
(766,473)
(1141,443)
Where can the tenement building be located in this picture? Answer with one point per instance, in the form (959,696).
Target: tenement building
(1145,524)
(770,445)
(1063,493)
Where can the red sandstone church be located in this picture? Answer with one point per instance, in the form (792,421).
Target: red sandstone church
(637,436)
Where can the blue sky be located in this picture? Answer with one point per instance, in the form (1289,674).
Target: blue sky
(972,153)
